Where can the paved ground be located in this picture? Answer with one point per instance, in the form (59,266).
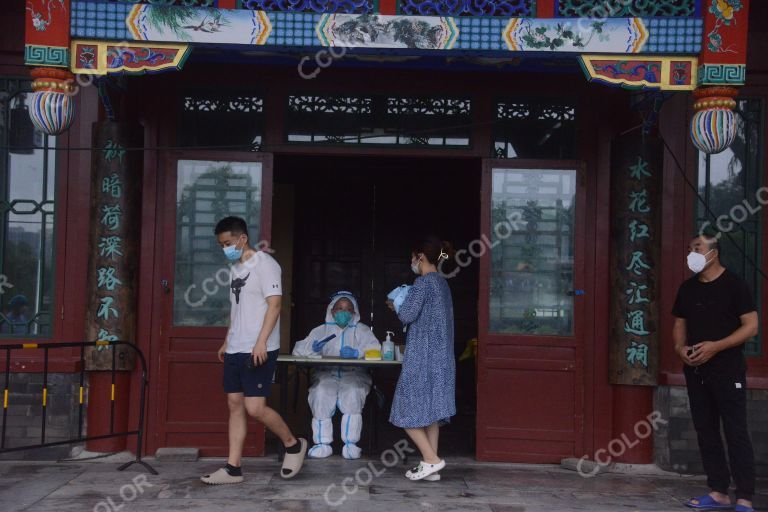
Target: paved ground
(467,486)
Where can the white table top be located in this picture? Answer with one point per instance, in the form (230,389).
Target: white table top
(332,361)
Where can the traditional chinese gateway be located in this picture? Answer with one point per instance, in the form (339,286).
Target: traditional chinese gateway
(568,148)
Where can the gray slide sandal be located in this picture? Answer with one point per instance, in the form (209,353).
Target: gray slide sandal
(293,462)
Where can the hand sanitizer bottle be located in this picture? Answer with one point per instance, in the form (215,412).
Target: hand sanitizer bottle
(388,348)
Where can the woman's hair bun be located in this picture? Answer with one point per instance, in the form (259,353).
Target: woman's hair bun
(435,249)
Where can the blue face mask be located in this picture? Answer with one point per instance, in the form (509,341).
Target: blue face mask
(232,253)
(342,318)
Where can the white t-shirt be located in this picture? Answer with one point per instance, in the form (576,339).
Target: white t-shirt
(250,285)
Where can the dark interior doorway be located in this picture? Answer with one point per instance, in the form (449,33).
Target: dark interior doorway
(354,222)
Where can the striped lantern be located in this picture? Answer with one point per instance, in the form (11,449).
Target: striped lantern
(713,127)
(53,104)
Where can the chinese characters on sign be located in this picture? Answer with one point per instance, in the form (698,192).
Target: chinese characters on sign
(111,310)
(107,279)
(635,178)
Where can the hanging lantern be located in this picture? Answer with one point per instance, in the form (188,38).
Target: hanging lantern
(52,105)
(713,126)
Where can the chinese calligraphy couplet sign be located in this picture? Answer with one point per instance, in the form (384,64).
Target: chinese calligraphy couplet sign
(636,177)
(112,266)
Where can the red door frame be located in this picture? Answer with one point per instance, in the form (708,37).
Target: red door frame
(489,341)
(162,329)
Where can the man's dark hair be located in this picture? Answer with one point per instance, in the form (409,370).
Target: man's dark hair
(714,244)
(712,237)
(234,225)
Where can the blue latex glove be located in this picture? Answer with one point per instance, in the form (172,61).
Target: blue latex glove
(349,353)
(317,345)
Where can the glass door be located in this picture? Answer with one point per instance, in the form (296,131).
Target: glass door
(531,312)
(192,290)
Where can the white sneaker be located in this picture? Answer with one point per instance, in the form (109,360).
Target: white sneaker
(434,477)
(423,470)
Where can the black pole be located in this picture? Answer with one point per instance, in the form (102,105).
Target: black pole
(142,404)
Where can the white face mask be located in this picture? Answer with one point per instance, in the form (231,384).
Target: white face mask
(697,261)
(415,267)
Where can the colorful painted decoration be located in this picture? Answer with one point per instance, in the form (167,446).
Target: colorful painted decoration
(186,3)
(41,12)
(207,25)
(723,11)
(615,35)
(713,127)
(316,6)
(53,104)
(618,9)
(662,73)
(508,8)
(52,112)
(102,58)
(180,24)
(47,33)
(46,56)
(374,31)
(722,74)
(724,52)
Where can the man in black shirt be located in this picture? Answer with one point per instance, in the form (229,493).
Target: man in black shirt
(715,315)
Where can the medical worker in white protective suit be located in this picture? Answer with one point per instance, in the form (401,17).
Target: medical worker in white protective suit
(345,388)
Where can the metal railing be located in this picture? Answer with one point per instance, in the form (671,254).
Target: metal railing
(47,347)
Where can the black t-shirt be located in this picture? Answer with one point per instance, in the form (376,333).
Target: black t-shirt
(712,312)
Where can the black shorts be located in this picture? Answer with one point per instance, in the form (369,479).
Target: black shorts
(238,378)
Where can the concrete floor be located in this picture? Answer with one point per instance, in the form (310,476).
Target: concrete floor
(467,486)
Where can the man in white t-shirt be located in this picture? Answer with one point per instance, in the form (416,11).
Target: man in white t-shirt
(249,352)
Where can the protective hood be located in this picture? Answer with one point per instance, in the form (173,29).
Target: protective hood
(334,299)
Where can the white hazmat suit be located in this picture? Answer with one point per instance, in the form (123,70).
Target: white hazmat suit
(343,388)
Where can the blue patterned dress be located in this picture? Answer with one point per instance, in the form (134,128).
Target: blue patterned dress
(426,390)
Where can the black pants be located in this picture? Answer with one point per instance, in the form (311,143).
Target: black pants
(713,398)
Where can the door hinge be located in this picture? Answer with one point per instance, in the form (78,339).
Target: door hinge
(62,312)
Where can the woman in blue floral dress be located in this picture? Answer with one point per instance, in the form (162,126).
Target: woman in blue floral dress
(426,391)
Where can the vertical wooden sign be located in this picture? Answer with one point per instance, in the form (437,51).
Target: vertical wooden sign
(114,235)
(636,177)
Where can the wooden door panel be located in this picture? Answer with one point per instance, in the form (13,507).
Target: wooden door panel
(196,390)
(548,403)
(525,448)
(191,407)
(530,362)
